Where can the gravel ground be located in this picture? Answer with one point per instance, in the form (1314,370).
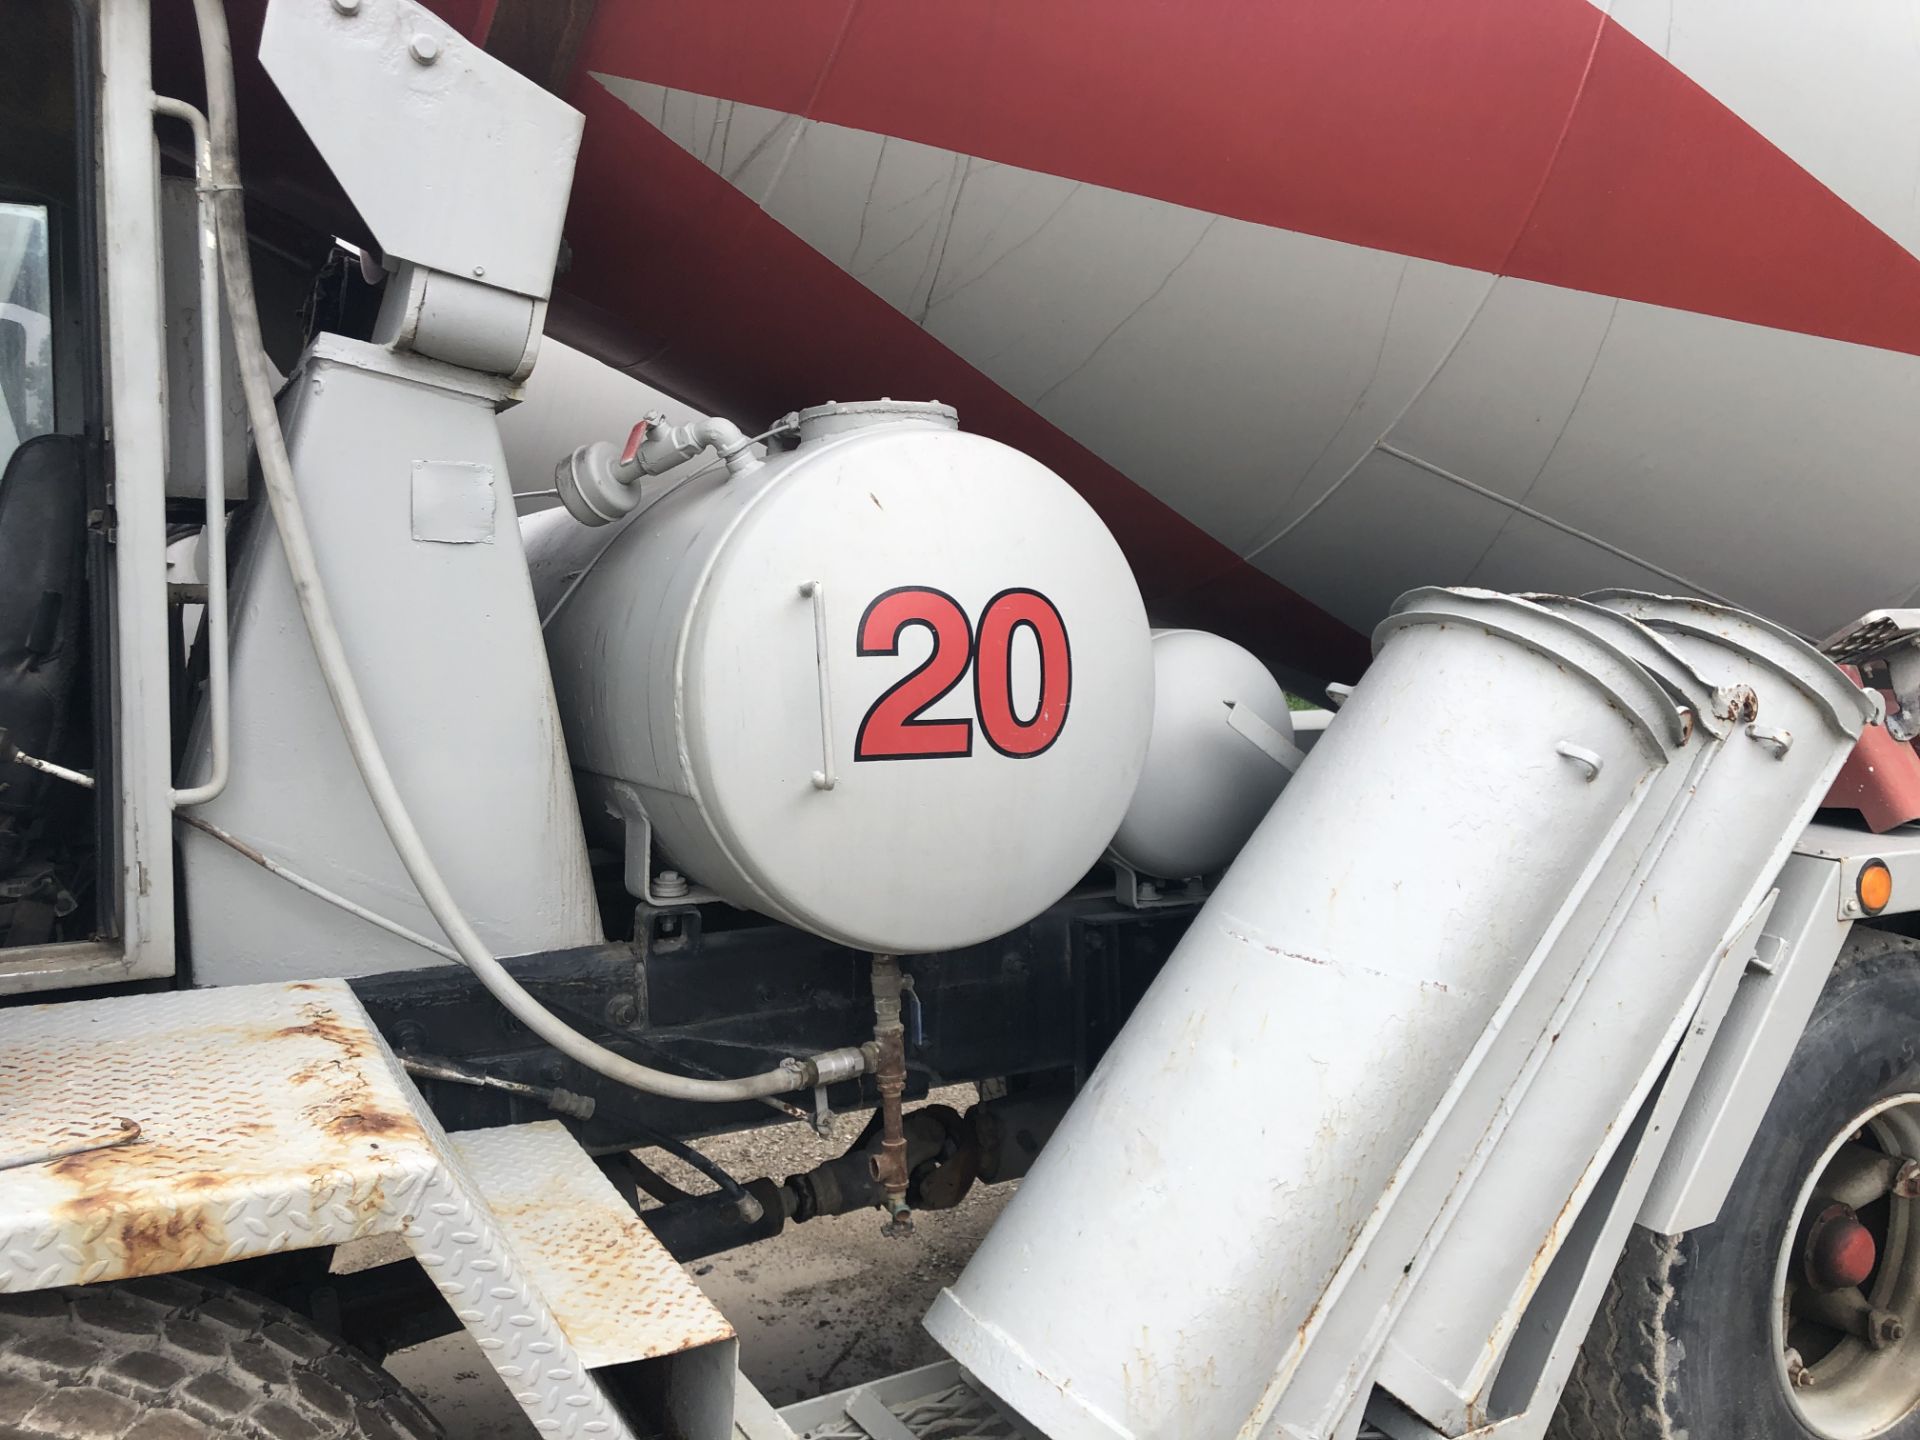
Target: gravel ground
(825,1305)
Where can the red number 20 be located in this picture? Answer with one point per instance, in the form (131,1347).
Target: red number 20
(894,728)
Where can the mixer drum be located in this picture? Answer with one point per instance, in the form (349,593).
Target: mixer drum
(893,687)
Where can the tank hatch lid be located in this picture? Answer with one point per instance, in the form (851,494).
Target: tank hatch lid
(838,417)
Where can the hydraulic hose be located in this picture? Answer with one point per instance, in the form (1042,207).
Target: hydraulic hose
(276,471)
(750,1208)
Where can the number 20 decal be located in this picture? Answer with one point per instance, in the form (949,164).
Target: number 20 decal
(895,727)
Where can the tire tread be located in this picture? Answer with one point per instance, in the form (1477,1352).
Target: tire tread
(1623,1379)
(170,1358)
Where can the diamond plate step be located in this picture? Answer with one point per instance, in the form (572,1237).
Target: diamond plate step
(612,1286)
(254,1119)
(1872,636)
(938,1400)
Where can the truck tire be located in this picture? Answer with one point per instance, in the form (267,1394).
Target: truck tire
(1701,1335)
(177,1359)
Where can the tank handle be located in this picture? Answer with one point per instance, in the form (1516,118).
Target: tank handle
(1242,720)
(824,778)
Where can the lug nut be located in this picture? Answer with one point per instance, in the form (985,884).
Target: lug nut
(424,48)
(1884,1329)
(1906,1181)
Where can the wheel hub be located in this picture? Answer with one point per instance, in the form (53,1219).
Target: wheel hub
(1840,1251)
(1847,1282)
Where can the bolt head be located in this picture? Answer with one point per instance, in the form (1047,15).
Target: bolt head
(423,47)
(1887,1329)
(347,7)
(1906,1183)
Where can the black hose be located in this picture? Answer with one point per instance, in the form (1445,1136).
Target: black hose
(643,1179)
(684,1152)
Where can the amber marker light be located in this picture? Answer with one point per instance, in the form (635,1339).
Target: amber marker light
(1874,886)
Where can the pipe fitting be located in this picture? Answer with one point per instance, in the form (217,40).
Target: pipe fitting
(592,487)
(600,484)
(828,1068)
(890,1082)
(661,446)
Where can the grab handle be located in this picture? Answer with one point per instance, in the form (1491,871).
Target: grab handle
(824,778)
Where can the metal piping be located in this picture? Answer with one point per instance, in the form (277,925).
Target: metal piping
(890,1080)
(435,1067)
(213,446)
(599,484)
(276,470)
(45,767)
(749,1207)
(316,889)
(655,446)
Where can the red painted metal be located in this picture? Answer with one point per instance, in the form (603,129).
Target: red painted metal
(1840,1252)
(1534,138)
(1881,779)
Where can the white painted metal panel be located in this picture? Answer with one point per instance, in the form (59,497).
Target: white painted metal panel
(454,161)
(1749,1055)
(1355,566)
(141,766)
(446,648)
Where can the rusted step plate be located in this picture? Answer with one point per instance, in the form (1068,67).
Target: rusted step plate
(611,1285)
(250,1120)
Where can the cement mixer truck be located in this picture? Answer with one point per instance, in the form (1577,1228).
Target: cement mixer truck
(1525,1042)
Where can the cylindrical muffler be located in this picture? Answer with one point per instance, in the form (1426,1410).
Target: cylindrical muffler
(1774,720)
(1166,1265)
